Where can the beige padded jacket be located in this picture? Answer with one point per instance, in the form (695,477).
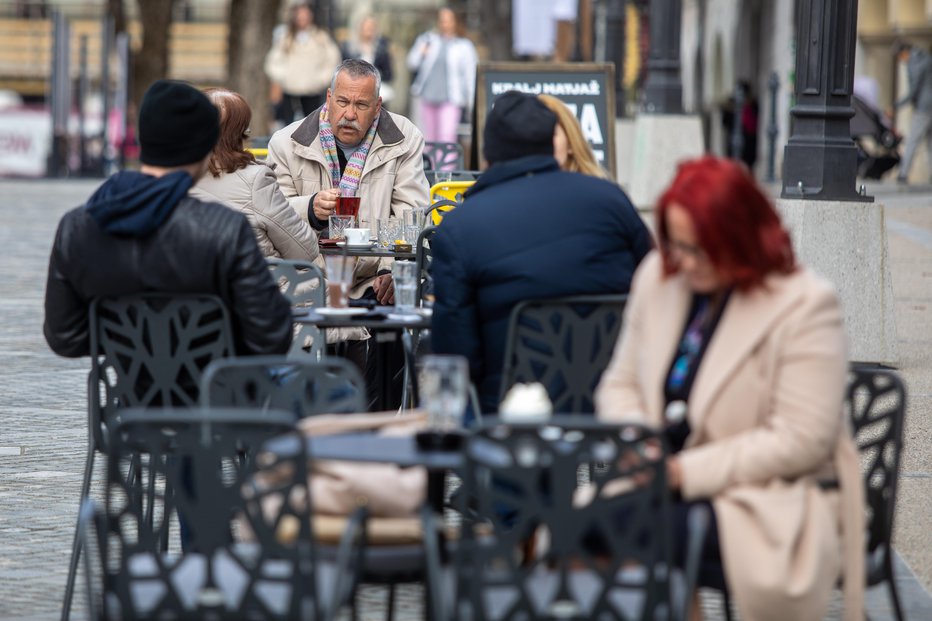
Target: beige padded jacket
(392,178)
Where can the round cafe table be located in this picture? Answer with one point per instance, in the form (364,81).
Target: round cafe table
(374,251)
(385,325)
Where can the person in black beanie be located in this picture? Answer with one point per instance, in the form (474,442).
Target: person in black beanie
(526,230)
(140,231)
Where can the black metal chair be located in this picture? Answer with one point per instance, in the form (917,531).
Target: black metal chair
(147,350)
(565,344)
(251,553)
(608,554)
(303,388)
(445,155)
(423,258)
(303,284)
(876,405)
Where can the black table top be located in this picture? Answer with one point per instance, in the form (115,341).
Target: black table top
(376,251)
(371,447)
(379,318)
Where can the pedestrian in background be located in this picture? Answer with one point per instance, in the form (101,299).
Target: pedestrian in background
(300,64)
(919,72)
(445,62)
(369,45)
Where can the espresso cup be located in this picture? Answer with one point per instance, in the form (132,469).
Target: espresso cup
(356,237)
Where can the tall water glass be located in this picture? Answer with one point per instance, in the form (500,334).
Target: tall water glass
(404,277)
(443,387)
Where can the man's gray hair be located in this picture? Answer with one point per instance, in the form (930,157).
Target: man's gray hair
(357,68)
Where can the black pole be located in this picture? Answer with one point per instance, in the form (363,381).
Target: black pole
(615,49)
(737,135)
(663,93)
(820,158)
(107,25)
(83,89)
(774,85)
(60,95)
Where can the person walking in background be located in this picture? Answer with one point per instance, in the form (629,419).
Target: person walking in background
(236,179)
(300,64)
(919,73)
(516,239)
(369,45)
(570,147)
(739,354)
(142,232)
(445,62)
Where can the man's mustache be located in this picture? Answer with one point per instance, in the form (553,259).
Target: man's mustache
(347,123)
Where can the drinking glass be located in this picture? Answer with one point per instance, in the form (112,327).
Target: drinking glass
(339,279)
(404,276)
(443,176)
(390,229)
(443,387)
(338,224)
(411,228)
(347,205)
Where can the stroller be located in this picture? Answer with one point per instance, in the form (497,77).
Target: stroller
(877,142)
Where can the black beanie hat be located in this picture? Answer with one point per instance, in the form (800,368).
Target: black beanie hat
(177,124)
(518,125)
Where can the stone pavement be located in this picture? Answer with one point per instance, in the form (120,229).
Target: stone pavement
(44,427)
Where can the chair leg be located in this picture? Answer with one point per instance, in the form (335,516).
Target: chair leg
(76,545)
(891,582)
(391,602)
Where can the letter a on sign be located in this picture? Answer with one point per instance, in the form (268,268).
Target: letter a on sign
(589,119)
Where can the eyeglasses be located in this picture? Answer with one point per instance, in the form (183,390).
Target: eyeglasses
(681,250)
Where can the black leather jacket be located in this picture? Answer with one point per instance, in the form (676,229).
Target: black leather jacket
(199,248)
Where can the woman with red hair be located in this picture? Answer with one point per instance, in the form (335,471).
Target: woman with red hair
(739,354)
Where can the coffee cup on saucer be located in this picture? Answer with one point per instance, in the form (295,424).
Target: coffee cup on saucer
(356,237)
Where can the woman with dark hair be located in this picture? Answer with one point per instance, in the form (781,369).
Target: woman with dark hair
(239,181)
(739,354)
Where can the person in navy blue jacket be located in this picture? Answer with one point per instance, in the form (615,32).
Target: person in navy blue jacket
(526,230)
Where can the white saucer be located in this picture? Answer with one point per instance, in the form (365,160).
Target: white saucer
(327,311)
(406,317)
(365,246)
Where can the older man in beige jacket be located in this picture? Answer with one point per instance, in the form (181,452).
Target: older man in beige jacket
(352,145)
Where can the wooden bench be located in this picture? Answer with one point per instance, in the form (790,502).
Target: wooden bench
(197,52)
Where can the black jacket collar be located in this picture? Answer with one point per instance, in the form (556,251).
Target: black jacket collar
(309,128)
(511,169)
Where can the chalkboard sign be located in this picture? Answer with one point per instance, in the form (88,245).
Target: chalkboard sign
(587,88)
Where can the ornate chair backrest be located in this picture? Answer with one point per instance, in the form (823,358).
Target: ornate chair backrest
(167,464)
(303,284)
(304,388)
(565,344)
(876,405)
(423,257)
(609,532)
(445,155)
(149,350)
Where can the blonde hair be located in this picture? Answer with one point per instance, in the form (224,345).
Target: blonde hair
(580,157)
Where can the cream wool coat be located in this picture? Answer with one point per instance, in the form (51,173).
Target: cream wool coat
(767,425)
(392,178)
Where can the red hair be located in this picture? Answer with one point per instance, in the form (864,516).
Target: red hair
(736,225)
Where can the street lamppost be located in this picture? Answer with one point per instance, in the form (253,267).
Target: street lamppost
(615,49)
(820,158)
(663,93)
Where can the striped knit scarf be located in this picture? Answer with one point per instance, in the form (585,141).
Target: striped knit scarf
(349,182)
